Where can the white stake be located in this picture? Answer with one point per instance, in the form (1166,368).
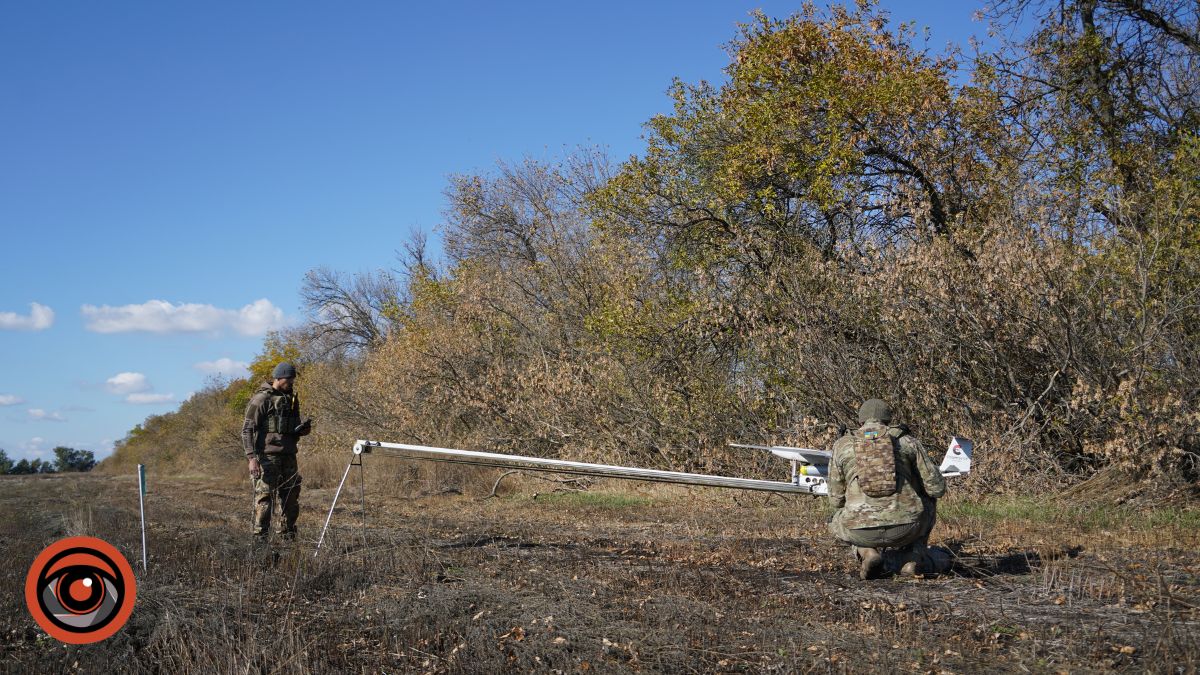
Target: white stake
(142,508)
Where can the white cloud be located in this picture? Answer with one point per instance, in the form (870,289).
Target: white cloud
(148,399)
(223,366)
(136,389)
(43,416)
(159,316)
(40,317)
(128,383)
(9,399)
(258,318)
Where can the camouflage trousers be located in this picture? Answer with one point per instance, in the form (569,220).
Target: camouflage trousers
(280,479)
(914,535)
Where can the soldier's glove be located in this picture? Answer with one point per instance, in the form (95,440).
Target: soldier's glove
(304,426)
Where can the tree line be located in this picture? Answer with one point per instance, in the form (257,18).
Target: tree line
(1004,245)
(65,460)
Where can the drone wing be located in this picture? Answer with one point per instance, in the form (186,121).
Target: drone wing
(805,455)
(749,446)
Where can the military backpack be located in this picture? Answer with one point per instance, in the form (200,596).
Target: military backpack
(875,458)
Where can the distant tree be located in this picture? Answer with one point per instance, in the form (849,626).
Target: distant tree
(6,464)
(26,467)
(351,313)
(70,459)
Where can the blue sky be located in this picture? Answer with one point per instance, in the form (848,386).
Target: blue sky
(169,171)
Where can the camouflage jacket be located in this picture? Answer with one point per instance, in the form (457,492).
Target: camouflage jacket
(271,419)
(918,480)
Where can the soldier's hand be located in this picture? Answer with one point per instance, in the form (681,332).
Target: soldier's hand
(255,468)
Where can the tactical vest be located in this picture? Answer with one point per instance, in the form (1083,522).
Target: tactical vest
(283,413)
(875,459)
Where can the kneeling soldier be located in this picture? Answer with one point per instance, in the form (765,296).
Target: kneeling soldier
(885,489)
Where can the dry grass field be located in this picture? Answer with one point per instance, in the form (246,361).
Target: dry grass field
(621,578)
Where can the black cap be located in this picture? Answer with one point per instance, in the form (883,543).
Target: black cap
(283,370)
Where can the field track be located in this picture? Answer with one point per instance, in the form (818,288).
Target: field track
(634,579)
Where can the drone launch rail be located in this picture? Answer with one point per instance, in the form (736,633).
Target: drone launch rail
(807,485)
(405,451)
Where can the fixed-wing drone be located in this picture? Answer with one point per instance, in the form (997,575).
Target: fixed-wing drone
(811,467)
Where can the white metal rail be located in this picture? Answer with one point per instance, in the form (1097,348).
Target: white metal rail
(493,459)
(807,484)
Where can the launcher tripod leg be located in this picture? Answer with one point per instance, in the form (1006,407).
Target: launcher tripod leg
(356,459)
(362,495)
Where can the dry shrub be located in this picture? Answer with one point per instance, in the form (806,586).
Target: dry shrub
(546,337)
(837,221)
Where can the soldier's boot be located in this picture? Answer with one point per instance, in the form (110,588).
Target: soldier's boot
(916,560)
(870,562)
(940,560)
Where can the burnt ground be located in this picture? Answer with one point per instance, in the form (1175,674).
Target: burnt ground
(622,578)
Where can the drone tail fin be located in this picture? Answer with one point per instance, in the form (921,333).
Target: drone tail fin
(958,457)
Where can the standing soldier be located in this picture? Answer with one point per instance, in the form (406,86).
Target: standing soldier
(885,489)
(269,436)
